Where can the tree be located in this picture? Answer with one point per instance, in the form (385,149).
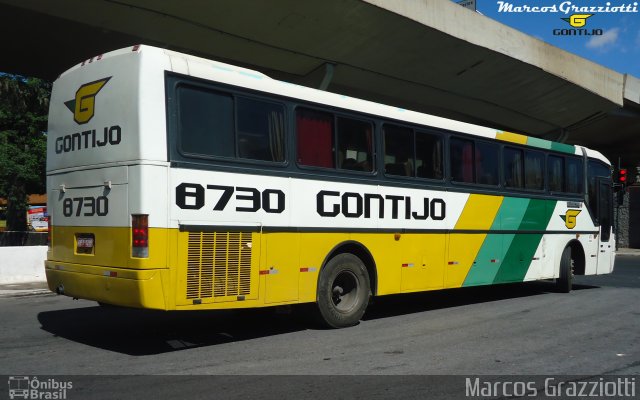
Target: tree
(24,103)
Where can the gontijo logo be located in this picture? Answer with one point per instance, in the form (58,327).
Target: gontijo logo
(83,106)
(570,218)
(577,20)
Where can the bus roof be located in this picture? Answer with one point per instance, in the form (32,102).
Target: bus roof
(237,76)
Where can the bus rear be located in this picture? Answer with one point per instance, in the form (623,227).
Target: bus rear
(107,180)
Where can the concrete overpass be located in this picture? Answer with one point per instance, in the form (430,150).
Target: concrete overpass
(427,55)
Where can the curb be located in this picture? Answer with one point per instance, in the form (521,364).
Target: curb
(628,252)
(24,293)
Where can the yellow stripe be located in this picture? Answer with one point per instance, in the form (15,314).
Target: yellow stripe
(478,214)
(511,137)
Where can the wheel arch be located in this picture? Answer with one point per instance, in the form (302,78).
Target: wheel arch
(578,256)
(359,250)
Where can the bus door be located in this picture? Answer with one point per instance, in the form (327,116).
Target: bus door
(604,210)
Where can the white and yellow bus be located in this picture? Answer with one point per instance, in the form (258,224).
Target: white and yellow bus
(179,183)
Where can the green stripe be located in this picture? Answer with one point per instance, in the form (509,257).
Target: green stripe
(541,143)
(546,144)
(495,246)
(523,247)
(511,212)
(484,271)
(565,148)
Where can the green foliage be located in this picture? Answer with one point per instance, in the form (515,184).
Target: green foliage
(24,103)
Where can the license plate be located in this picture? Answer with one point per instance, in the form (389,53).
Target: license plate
(85,243)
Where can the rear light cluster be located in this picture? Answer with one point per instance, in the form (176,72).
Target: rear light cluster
(140,235)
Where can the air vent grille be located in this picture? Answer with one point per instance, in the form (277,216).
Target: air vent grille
(218,264)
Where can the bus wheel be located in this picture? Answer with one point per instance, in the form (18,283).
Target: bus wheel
(565,281)
(343,291)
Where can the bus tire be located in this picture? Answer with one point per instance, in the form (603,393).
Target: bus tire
(343,291)
(565,280)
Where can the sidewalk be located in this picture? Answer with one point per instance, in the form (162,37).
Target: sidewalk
(24,289)
(628,252)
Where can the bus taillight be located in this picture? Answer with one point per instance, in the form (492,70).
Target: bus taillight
(140,235)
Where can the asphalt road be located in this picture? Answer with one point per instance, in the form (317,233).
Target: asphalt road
(523,329)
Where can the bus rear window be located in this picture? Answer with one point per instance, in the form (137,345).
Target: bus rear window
(205,121)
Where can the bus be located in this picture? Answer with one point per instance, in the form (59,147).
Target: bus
(180,183)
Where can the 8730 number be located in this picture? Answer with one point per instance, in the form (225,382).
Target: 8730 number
(86,206)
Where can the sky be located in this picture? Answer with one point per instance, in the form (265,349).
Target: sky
(618,48)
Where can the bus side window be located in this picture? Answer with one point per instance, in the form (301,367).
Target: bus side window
(575,175)
(398,150)
(315,138)
(513,168)
(555,172)
(429,159)
(533,170)
(260,130)
(487,157)
(355,145)
(205,121)
(462,165)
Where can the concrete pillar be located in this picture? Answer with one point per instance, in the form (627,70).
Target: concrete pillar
(630,221)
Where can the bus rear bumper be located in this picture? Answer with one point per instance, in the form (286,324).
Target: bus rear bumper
(117,286)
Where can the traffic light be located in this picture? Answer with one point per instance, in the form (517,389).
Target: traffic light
(622,176)
(621,183)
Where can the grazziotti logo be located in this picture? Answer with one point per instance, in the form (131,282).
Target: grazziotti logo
(575,14)
(84,104)
(578,21)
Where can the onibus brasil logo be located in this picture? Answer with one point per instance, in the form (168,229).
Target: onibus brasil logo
(83,106)
(24,387)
